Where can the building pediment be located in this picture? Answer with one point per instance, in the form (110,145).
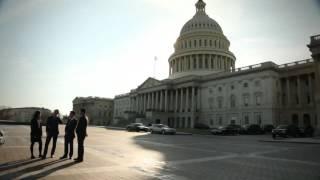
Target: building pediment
(150,82)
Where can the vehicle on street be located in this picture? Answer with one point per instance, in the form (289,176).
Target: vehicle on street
(2,140)
(137,127)
(267,128)
(162,129)
(251,129)
(225,130)
(286,131)
(236,127)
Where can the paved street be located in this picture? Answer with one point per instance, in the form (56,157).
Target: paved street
(113,154)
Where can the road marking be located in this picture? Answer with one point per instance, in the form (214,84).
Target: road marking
(288,160)
(199,160)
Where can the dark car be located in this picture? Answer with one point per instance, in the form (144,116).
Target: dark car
(286,131)
(236,127)
(137,127)
(268,128)
(1,137)
(224,130)
(251,129)
(307,131)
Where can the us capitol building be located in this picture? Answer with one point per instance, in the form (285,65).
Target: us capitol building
(204,86)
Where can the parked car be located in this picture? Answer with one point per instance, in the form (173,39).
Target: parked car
(268,128)
(286,131)
(201,126)
(137,127)
(308,131)
(162,129)
(236,127)
(2,140)
(251,129)
(225,130)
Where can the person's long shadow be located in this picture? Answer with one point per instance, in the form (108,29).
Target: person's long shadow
(16,164)
(48,172)
(15,174)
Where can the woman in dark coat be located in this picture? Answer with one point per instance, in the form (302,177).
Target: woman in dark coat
(36,132)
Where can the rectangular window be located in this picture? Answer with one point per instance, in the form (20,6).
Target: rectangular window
(246,118)
(220,120)
(258,100)
(246,100)
(258,118)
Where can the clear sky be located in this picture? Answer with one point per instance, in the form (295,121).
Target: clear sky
(54,50)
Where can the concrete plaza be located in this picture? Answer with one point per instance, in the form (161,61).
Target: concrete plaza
(116,154)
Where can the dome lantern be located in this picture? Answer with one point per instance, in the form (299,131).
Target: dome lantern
(201,6)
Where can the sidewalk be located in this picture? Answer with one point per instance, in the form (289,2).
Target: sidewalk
(315,140)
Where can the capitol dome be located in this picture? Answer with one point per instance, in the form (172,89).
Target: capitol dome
(201,47)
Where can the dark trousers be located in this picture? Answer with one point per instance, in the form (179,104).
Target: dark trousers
(68,141)
(40,146)
(80,147)
(48,139)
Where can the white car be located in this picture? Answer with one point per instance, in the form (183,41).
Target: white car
(162,129)
(2,137)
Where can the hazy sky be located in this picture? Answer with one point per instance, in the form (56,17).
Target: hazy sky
(54,50)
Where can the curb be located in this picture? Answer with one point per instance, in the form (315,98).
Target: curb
(115,128)
(184,134)
(292,142)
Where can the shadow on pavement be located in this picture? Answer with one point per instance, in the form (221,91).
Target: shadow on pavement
(16,164)
(48,172)
(16,174)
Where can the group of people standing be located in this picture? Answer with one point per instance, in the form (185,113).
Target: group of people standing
(73,126)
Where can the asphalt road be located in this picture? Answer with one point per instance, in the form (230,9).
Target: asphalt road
(112,154)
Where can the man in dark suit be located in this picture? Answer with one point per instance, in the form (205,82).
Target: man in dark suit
(81,131)
(52,129)
(69,135)
(36,132)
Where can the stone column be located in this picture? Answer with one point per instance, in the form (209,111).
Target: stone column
(144,102)
(139,102)
(166,101)
(203,61)
(181,100)
(191,63)
(288,92)
(198,99)
(215,61)
(299,90)
(187,100)
(176,104)
(310,88)
(157,101)
(193,100)
(197,61)
(209,61)
(147,101)
(161,101)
